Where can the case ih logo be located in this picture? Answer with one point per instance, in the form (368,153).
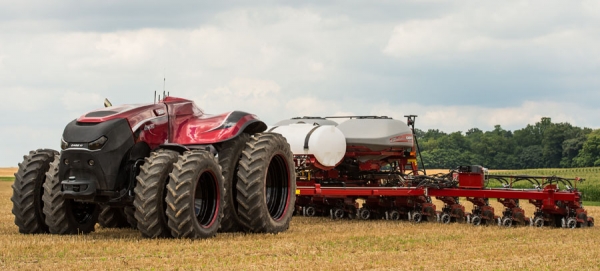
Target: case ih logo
(76,145)
(402,138)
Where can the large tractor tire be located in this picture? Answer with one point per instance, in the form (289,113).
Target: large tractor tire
(113,217)
(266,184)
(229,157)
(28,190)
(195,196)
(66,216)
(130,215)
(150,193)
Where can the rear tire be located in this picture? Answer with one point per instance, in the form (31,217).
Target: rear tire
(130,215)
(229,158)
(28,189)
(113,217)
(66,216)
(150,194)
(195,196)
(266,184)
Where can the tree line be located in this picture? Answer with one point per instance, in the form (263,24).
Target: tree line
(542,145)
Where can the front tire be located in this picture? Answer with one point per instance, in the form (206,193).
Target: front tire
(28,188)
(150,193)
(113,218)
(195,196)
(266,184)
(66,216)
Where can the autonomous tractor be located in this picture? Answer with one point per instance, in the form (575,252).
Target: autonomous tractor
(166,168)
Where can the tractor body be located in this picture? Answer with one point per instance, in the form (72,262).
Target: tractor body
(103,149)
(165,168)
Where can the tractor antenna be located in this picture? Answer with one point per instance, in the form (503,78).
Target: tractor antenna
(154,96)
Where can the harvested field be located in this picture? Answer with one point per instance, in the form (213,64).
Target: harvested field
(8,171)
(311,243)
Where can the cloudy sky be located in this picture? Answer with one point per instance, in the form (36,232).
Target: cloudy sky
(456,64)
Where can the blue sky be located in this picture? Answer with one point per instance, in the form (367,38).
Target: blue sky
(456,64)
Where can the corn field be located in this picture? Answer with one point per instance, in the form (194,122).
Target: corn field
(589,187)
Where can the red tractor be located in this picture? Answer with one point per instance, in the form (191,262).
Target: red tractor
(166,168)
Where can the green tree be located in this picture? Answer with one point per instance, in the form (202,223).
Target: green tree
(590,152)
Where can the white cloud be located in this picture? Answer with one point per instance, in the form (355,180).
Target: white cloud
(81,101)
(463,118)
(495,32)
(309,106)
(16,99)
(315,59)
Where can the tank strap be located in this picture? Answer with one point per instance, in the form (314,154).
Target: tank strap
(308,136)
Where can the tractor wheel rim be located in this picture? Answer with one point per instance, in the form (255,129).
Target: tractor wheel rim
(277,187)
(206,199)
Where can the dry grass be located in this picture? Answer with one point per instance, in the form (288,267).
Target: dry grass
(8,171)
(315,243)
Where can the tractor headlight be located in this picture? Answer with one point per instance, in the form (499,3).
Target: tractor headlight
(63,144)
(97,144)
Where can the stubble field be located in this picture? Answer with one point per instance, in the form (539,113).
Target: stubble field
(310,243)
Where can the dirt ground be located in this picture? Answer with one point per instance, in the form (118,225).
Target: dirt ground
(8,171)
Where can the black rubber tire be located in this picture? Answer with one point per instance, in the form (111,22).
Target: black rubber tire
(130,216)
(310,211)
(445,218)
(417,217)
(28,190)
(266,184)
(113,217)
(195,196)
(364,213)
(394,215)
(338,213)
(229,157)
(66,216)
(150,194)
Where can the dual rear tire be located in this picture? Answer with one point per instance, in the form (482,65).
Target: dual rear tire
(195,195)
(260,199)
(266,184)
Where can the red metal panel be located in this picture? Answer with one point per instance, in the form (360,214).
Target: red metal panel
(447,192)
(358,191)
(470,180)
(501,193)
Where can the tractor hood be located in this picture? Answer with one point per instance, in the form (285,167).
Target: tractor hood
(187,124)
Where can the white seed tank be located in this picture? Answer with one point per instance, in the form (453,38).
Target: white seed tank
(325,142)
(377,134)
